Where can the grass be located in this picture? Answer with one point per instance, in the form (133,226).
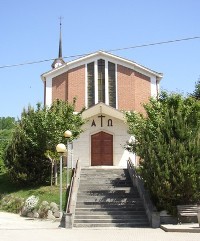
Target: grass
(45,193)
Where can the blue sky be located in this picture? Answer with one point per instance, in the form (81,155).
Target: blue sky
(30,32)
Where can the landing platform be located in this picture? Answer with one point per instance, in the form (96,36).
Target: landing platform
(104,167)
(184,228)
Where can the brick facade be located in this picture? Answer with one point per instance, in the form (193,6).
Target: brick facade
(76,86)
(142,91)
(59,85)
(69,85)
(125,84)
(134,89)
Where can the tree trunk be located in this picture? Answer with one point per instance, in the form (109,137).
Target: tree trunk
(55,174)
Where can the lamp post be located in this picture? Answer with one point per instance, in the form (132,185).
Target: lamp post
(61,149)
(67,135)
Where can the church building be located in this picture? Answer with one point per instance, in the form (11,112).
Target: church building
(106,85)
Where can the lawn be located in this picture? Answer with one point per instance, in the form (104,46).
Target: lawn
(45,193)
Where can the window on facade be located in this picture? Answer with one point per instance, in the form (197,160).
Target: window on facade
(90,89)
(101,80)
(102,88)
(111,84)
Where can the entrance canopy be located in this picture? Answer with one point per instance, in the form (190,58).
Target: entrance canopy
(102,108)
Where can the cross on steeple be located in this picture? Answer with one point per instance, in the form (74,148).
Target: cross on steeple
(60,19)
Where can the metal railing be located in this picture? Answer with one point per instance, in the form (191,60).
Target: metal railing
(69,201)
(72,197)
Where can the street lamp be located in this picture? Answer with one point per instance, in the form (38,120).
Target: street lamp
(67,135)
(61,149)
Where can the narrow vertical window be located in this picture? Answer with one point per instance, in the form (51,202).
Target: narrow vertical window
(101,80)
(90,88)
(111,84)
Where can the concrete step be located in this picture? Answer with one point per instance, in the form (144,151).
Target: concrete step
(98,181)
(105,175)
(97,188)
(111,211)
(106,198)
(107,192)
(110,220)
(113,199)
(102,176)
(104,170)
(97,196)
(106,225)
(110,206)
(116,201)
(109,216)
(105,180)
(105,185)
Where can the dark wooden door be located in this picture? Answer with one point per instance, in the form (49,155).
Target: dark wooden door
(102,149)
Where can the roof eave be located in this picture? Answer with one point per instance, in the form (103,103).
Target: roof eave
(85,57)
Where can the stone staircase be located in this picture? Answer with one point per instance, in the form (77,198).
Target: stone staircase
(106,198)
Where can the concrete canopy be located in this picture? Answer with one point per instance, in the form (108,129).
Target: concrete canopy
(102,108)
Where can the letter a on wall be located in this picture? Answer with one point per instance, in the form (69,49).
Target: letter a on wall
(93,123)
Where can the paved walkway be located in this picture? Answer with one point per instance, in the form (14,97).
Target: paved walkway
(16,228)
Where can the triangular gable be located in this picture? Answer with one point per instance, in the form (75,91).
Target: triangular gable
(102,108)
(100,54)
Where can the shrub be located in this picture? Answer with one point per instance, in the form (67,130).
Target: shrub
(11,203)
(167,140)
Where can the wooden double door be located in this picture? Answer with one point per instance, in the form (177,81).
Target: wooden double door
(102,149)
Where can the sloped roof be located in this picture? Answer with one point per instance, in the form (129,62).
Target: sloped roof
(102,108)
(100,54)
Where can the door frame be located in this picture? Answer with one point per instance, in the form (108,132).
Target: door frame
(90,146)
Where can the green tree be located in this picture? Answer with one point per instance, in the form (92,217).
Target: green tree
(38,132)
(196,92)
(6,128)
(7,123)
(167,140)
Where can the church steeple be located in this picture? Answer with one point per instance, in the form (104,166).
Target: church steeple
(59,61)
(60,41)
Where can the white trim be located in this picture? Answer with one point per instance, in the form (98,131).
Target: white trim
(116,86)
(106,83)
(97,55)
(153,87)
(49,91)
(96,81)
(86,86)
(55,72)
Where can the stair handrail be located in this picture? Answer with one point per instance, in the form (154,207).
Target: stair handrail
(151,211)
(73,190)
(71,187)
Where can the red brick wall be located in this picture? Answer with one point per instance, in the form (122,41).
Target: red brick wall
(69,85)
(125,85)
(76,86)
(134,89)
(59,84)
(142,91)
